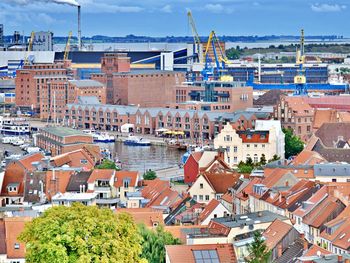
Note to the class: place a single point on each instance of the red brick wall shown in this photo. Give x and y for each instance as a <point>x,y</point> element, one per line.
<point>191,170</point>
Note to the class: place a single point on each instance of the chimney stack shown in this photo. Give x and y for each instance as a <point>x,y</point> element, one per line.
<point>79,29</point>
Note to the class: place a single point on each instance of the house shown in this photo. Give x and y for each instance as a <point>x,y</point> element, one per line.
<point>210,186</point>
<point>125,182</point>
<point>68,198</point>
<point>159,194</point>
<point>240,145</point>
<point>78,182</point>
<point>332,172</point>
<point>13,185</point>
<point>278,237</point>
<point>213,209</point>
<point>331,142</point>
<point>56,182</point>
<point>223,253</point>
<point>101,182</point>
<point>295,114</point>
<point>11,249</point>
<point>227,201</point>
<point>307,157</point>
<point>195,162</point>
<point>315,252</point>
<point>148,216</point>
<point>231,229</point>
<point>181,231</point>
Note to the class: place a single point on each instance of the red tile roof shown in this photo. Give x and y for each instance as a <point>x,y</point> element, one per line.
<point>121,175</point>
<point>308,157</point>
<point>221,182</point>
<point>27,160</point>
<point>185,253</point>
<point>57,182</point>
<point>299,106</point>
<point>14,227</point>
<point>197,156</point>
<point>208,209</point>
<point>147,216</point>
<point>101,174</point>
<point>314,200</point>
<point>314,250</point>
<point>276,232</point>
<point>177,232</point>
<point>227,197</point>
<point>248,190</point>
<point>255,137</point>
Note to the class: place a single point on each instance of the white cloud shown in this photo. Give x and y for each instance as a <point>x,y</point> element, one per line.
<point>327,7</point>
<point>167,9</point>
<point>218,8</point>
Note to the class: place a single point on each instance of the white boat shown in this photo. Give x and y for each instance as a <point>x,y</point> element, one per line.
<point>6,140</point>
<point>33,150</point>
<point>136,141</point>
<point>14,126</point>
<point>18,142</point>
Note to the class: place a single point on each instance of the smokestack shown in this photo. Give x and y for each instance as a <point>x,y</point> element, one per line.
<point>79,29</point>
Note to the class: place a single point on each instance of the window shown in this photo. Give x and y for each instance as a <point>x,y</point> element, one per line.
<point>215,215</point>
<point>16,245</point>
<point>210,256</point>
<point>83,161</point>
<point>235,159</point>
<point>200,197</point>
<point>195,197</point>
<point>235,149</point>
<point>201,186</point>
<point>206,197</point>
<point>256,158</point>
<point>255,146</point>
<point>126,183</point>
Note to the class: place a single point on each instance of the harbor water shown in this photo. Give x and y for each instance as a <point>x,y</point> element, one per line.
<point>143,158</point>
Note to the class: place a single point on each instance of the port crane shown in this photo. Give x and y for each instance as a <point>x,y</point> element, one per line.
<point>30,47</point>
<point>300,78</point>
<point>67,48</point>
<point>196,40</point>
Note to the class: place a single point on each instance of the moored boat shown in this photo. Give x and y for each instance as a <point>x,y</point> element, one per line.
<point>136,141</point>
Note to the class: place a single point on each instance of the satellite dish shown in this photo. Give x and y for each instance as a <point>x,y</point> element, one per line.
<point>318,253</point>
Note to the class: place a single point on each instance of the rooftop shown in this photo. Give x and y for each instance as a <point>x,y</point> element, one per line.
<point>63,131</point>
<point>86,83</point>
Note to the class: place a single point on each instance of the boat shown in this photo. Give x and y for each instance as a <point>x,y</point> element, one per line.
<point>6,140</point>
<point>17,142</point>
<point>103,137</point>
<point>136,141</point>
<point>14,126</point>
<point>177,145</point>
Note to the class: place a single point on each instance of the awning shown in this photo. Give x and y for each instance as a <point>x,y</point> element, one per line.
<point>179,133</point>
<point>162,130</point>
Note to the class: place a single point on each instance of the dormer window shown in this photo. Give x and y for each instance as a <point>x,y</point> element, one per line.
<point>12,188</point>
<point>16,246</point>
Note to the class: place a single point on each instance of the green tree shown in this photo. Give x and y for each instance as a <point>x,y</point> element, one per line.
<point>82,234</point>
<point>245,168</point>
<point>263,159</point>
<point>258,251</point>
<point>150,175</point>
<point>108,164</point>
<point>153,243</point>
<point>293,145</point>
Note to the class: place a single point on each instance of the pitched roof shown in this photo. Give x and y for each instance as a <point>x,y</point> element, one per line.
<point>307,157</point>
<point>27,160</point>
<point>197,156</point>
<point>208,209</point>
<point>180,232</point>
<point>227,197</point>
<point>78,179</point>
<point>324,115</point>
<point>312,202</point>
<point>186,253</point>
<point>221,182</point>
<point>13,228</point>
<point>299,106</point>
<point>57,181</point>
<point>147,216</point>
<point>86,83</point>
<point>131,176</point>
<point>329,133</point>
<point>270,98</point>
<point>314,250</point>
<point>101,174</point>
<point>276,232</point>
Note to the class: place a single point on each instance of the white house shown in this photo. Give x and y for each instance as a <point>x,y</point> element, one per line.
<point>214,209</point>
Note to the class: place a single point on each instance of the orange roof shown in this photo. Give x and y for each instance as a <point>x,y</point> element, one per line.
<point>308,157</point>
<point>13,228</point>
<point>344,116</point>
<point>177,232</point>
<point>120,176</point>
<point>94,150</point>
<point>299,106</point>
<point>324,115</point>
<point>186,253</point>
<point>227,197</point>
<point>221,182</point>
<point>27,160</point>
<point>57,181</point>
<point>255,137</point>
<point>101,174</point>
<point>314,250</point>
<point>208,209</point>
<point>246,191</point>
<point>147,216</point>
<point>276,232</point>
<point>197,156</point>
<point>270,180</point>
<point>318,197</point>
<point>153,187</point>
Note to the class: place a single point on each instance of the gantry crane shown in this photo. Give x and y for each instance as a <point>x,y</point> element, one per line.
<point>30,47</point>
<point>300,78</point>
<point>67,48</point>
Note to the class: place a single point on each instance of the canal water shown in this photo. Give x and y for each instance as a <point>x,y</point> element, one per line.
<point>143,158</point>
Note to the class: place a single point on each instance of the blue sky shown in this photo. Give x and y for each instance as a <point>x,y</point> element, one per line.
<point>168,17</point>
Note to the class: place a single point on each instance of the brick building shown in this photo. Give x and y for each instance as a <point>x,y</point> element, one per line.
<point>58,140</point>
<point>55,95</point>
<point>30,79</point>
<point>296,114</point>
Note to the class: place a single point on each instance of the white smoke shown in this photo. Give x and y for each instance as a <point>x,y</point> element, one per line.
<point>63,2</point>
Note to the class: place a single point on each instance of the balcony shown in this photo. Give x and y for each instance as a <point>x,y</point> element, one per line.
<point>107,201</point>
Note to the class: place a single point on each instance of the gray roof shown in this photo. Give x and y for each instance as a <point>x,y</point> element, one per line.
<point>78,179</point>
<point>147,72</point>
<point>63,131</point>
<point>332,169</point>
<point>51,77</point>
<point>86,83</point>
<point>249,219</point>
<point>88,100</point>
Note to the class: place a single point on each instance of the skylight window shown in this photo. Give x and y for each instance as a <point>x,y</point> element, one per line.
<point>206,256</point>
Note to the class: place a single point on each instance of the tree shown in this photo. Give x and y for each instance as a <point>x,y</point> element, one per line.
<point>153,243</point>
<point>82,234</point>
<point>245,168</point>
<point>108,164</point>
<point>263,159</point>
<point>293,145</point>
<point>258,251</point>
<point>150,175</point>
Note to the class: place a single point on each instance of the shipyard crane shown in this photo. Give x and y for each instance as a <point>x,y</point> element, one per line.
<point>30,47</point>
<point>196,40</point>
<point>67,48</point>
<point>300,78</point>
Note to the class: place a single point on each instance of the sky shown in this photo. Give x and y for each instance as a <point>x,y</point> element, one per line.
<point>168,17</point>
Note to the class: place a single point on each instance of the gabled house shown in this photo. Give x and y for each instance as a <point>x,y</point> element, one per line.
<point>213,209</point>
<point>149,217</point>
<point>195,162</point>
<point>125,182</point>
<point>13,184</point>
<point>210,186</point>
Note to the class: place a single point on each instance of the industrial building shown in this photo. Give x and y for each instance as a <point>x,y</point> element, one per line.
<point>43,41</point>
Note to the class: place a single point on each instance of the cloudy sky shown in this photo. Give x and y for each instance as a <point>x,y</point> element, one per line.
<point>168,17</point>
